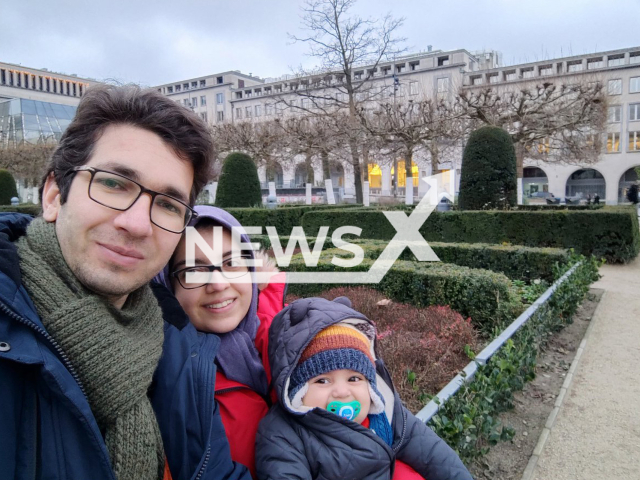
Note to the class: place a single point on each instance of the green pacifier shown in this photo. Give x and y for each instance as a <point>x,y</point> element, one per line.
<point>348,410</point>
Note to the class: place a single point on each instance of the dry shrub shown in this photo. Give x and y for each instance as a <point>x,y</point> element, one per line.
<point>423,348</point>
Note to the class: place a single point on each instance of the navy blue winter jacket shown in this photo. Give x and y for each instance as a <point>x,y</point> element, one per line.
<point>48,429</point>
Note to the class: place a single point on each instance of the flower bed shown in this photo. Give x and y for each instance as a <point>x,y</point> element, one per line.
<point>423,348</point>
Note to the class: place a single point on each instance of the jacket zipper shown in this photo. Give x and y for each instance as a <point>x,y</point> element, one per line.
<point>43,332</point>
<point>204,464</point>
<point>404,431</point>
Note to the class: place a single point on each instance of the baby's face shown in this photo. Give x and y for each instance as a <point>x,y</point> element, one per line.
<point>341,386</point>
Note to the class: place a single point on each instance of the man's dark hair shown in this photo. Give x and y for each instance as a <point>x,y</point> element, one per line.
<point>104,105</point>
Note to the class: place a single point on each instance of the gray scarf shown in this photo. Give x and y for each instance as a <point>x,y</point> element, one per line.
<point>114,352</point>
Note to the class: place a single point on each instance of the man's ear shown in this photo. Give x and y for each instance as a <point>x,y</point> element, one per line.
<point>50,199</point>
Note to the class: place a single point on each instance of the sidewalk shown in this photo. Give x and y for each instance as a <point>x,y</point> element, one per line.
<point>597,432</point>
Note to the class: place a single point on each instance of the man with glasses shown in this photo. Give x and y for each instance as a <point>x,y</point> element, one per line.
<point>80,330</point>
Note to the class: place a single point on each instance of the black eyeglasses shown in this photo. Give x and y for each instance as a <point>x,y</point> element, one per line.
<point>120,193</point>
<point>231,269</point>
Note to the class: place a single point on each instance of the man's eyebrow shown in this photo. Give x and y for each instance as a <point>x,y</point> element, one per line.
<point>133,175</point>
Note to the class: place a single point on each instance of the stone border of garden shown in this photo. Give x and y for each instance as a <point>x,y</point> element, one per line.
<point>551,420</point>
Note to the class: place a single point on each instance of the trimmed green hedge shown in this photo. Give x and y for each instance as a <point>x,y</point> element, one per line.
<point>610,232</point>
<point>516,262</point>
<point>28,208</point>
<point>489,298</point>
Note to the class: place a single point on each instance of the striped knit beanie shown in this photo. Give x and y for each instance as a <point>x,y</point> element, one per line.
<point>338,347</point>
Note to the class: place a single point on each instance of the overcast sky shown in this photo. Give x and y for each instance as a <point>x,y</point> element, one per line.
<point>160,41</point>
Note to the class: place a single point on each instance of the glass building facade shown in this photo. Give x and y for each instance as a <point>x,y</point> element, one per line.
<point>31,121</point>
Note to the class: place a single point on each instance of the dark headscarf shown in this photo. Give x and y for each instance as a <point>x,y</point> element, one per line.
<point>238,357</point>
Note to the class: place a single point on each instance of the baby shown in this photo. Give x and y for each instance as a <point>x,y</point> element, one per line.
<point>338,415</point>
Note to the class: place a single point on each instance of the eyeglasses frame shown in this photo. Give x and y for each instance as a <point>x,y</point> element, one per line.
<point>211,268</point>
<point>152,193</point>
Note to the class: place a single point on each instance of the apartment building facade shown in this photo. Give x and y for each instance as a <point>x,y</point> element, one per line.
<point>440,74</point>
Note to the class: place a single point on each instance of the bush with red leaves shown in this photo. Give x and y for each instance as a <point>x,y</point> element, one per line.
<point>423,348</point>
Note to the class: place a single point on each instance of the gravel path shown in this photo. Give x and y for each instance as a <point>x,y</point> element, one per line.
<point>597,431</point>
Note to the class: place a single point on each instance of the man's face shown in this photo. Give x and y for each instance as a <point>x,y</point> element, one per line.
<point>112,252</point>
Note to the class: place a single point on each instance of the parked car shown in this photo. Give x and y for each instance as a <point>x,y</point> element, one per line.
<point>540,198</point>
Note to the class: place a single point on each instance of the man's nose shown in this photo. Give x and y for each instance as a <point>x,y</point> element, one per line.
<point>136,219</point>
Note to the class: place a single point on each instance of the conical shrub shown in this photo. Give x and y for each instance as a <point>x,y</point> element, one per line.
<point>238,185</point>
<point>489,177</point>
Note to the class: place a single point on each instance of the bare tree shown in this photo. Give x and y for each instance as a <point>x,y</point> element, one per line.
<point>263,141</point>
<point>313,136</point>
<point>343,45</point>
<point>403,129</point>
<point>25,160</point>
<point>555,123</point>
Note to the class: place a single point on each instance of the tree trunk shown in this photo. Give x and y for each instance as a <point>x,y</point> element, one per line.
<point>326,168</point>
<point>309,167</point>
<point>435,158</point>
<point>520,151</point>
<point>357,171</point>
<point>365,163</point>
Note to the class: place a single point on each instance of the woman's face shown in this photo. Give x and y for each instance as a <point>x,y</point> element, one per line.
<point>219,306</point>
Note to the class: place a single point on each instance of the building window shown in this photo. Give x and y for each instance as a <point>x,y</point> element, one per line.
<point>239,113</point>
<point>170,89</point>
<point>240,83</point>
<point>203,100</point>
<point>634,111</point>
<point>594,63</point>
<point>634,141</point>
<point>219,80</point>
<point>615,60</point>
<point>220,116</point>
<point>41,83</point>
<point>194,102</point>
<point>185,86</point>
<point>399,68</point>
<point>203,83</point>
<point>48,85</point>
<point>614,114</point>
<point>614,87</point>
<point>178,88</point>
<point>613,142</point>
<point>509,76</point>
<point>442,61</point>
<point>527,72</point>
<point>575,66</point>
<point>238,94</point>
<point>268,109</point>
<point>185,102</point>
<point>413,87</point>
<point>443,85</point>
<point>494,78</point>
<point>258,110</point>
<point>476,80</point>
<point>80,89</point>
<point>3,77</point>
<point>194,84</point>
<point>204,116</point>
<point>544,146</point>
<point>19,80</point>
<point>219,98</point>
<point>546,70</point>
<point>634,85</point>
<point>413,66</point>
<point>248,112</point>
<point>634,57</point>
